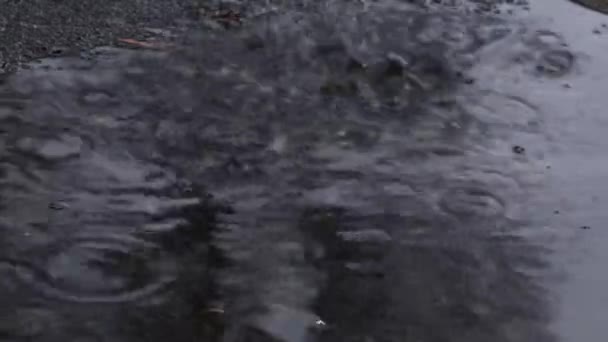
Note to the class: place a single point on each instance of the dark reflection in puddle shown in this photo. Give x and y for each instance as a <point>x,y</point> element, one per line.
<point>336,215</point>
<point>384,287</point>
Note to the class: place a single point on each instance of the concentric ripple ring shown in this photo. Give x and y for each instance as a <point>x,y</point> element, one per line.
<point>99,269</point>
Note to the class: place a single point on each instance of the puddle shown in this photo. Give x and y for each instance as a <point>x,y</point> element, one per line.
<point>353,176</point>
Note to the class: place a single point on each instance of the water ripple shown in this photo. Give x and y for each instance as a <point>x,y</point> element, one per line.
<point>99,269</point>
<point>470,202</point>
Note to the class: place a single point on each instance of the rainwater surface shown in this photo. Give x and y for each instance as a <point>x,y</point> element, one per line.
<point>327,171</point>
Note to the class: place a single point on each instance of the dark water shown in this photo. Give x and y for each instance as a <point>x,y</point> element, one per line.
<point>333,171</point>
<point>596,5</point>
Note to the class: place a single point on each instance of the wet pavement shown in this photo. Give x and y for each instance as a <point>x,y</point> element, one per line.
<point>312,171</point>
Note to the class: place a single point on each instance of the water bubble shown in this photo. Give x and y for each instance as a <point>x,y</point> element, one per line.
<point>471,202</point>
<point>63,147</point>
<point>58,205</point>
<point>545,38</point>
<point>358,137</point>
<point>98,98</point>
<point>492,33</point>
<point>518,149</point>
<point>504,109</point>
<point>556,63</point>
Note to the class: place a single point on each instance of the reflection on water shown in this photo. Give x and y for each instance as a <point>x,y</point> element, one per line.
<point>346,178</point>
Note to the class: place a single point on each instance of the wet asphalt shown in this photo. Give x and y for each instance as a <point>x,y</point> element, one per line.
<point>302,171</point>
